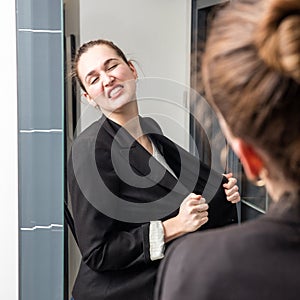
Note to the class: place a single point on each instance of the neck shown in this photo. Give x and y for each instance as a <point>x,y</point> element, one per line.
<point>133,126</point>
<point>123,114</point>
<point>276,188</point>
<point>128,117</point>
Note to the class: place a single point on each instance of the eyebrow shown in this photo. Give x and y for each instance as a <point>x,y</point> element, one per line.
<point>107,62</point>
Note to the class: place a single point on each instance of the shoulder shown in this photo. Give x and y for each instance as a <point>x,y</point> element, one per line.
<point>197,245</point>
<point>191,259</point>
<point>91,132</point>
<point>89,141</point>
<point>215,257</point>
<point>230,242</point>
<point>98,135</point>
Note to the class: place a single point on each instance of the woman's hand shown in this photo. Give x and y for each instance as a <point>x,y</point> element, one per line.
<point>192,215</point>
<point>231,189</point>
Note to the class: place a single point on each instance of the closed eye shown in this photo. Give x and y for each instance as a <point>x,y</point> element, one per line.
<point>94,80</point>
<point>112,67</point>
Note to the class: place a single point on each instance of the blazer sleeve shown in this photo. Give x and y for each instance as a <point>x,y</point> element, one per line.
<point>221,212</point>
<point>201,179</point>
<point>105,243</point>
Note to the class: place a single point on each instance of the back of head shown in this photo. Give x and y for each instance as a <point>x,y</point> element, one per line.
<point>251,74</point>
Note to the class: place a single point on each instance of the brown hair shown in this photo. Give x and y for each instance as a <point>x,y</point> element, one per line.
<point>85,47</point>
<point>251,74</point>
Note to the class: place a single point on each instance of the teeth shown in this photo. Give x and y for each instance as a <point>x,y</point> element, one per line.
<point>115,91</point>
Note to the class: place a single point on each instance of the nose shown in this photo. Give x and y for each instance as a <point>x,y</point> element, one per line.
<point>106,79</point>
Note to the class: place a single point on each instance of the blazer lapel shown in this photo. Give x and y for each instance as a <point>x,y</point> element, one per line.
<point>126,151</point>
<point>147,167</point>
<point>192,173</point>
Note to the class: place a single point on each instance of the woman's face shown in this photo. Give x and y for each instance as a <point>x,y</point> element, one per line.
<point>108,80</point>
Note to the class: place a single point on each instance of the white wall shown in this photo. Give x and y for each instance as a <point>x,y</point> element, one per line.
<point>9,155</point>
<point>155,33</point>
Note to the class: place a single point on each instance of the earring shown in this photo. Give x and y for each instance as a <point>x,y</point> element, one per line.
<point>263,174</point>
<point>259,182</point>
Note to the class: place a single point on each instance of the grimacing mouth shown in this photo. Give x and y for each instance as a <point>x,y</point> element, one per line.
<point>114,90</point>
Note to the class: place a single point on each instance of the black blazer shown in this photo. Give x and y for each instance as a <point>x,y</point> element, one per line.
<point>114,239</point>
<point>258,259</point>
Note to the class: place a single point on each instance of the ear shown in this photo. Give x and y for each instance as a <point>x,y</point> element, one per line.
<point>133,69</point>
<point>85,95</point>
<point>251,160</point>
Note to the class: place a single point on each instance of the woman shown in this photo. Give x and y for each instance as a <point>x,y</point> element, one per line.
<point>121,245</point>
<point>251,71</point>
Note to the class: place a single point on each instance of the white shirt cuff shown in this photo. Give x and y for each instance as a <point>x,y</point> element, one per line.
<point>156,240</point>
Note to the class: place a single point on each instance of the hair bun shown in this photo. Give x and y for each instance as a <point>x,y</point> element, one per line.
<point>278,36</point>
